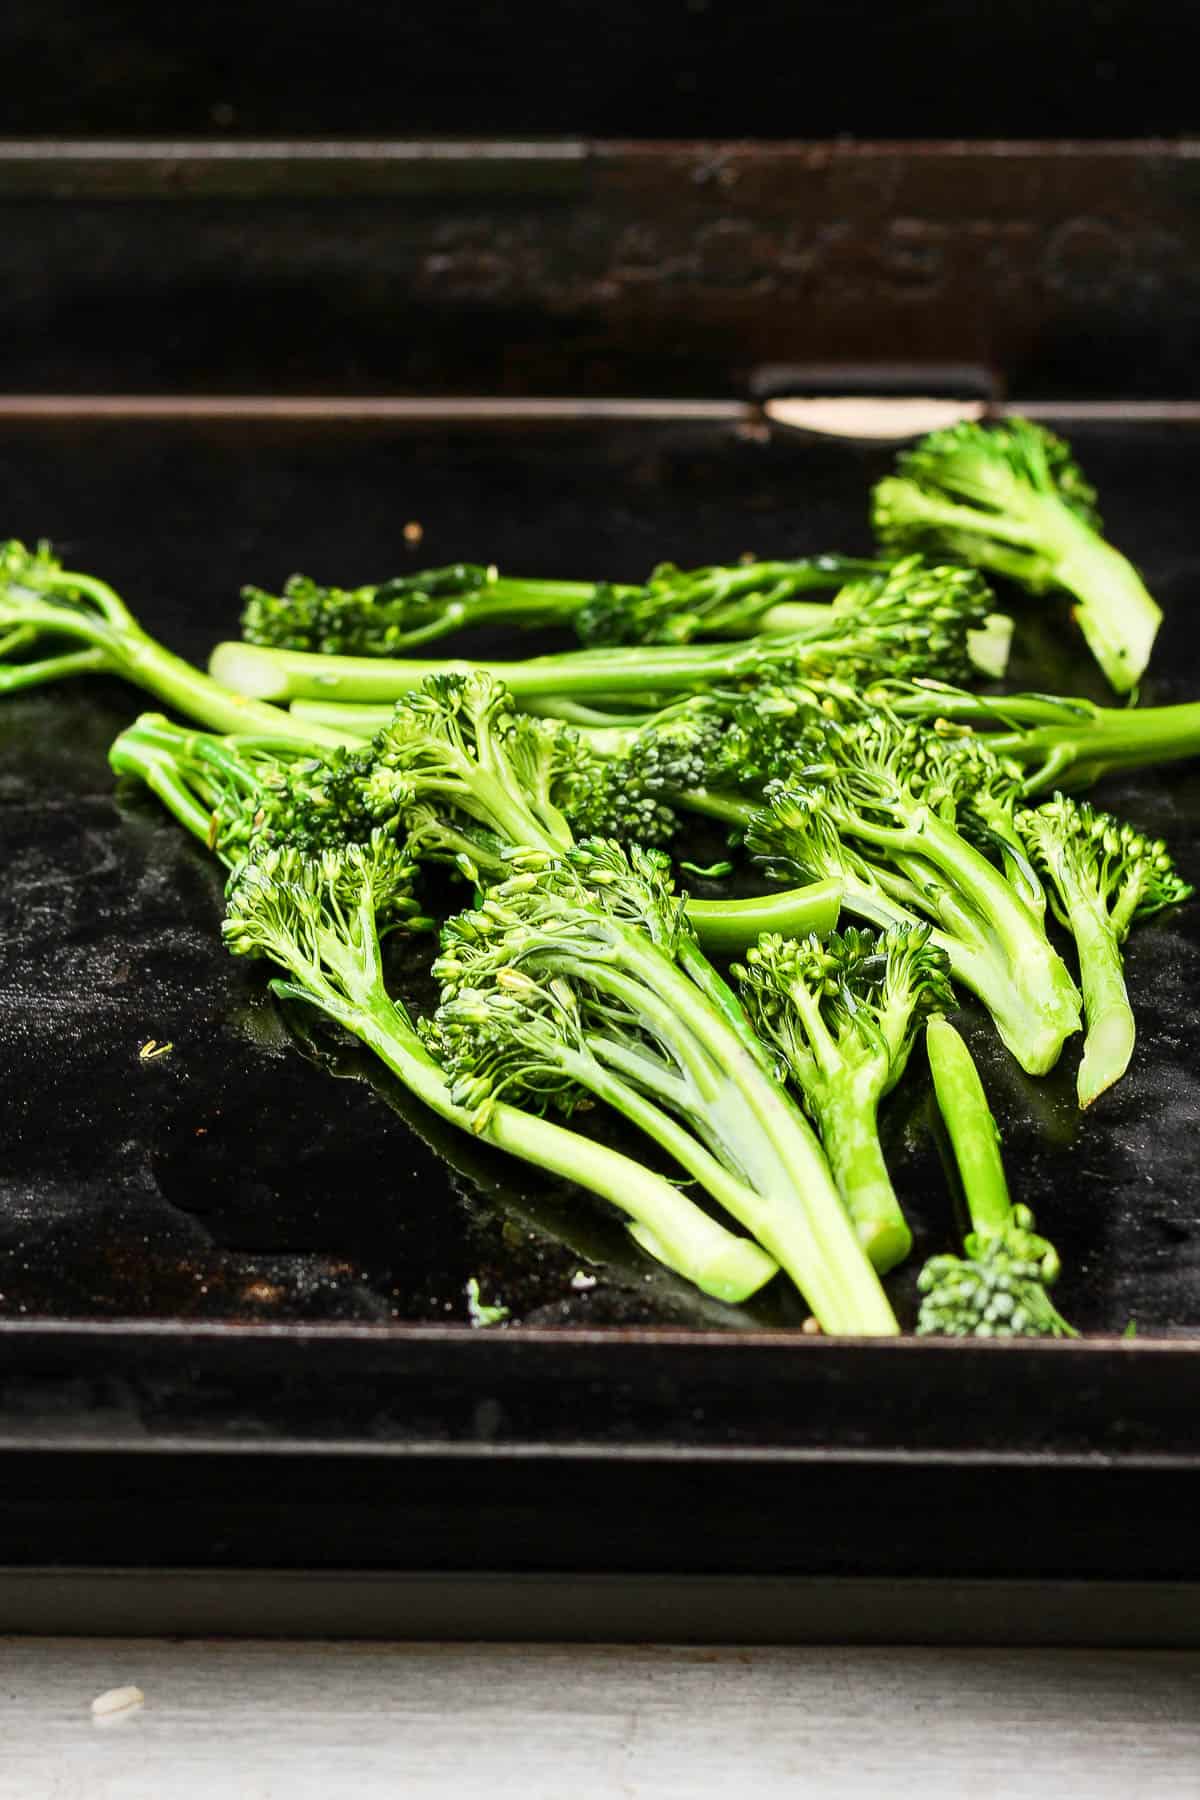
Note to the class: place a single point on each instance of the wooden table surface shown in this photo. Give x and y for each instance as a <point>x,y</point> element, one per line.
<point>249,1720</point>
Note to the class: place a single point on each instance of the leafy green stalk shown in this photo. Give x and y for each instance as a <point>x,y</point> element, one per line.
<point>1011,498</point>
<point>44,606</point>
<point>999,1288</point>
<point>842,1015</point>
<point>1104,875</point>
<point>589,947</point>
<point>914,619</point>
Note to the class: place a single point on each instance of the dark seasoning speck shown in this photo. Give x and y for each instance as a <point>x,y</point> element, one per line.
<point>254,1174</point>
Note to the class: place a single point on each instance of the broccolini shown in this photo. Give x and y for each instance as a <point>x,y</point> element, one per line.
<point>1012,499</point>
<point>998,1288</point>
<point>842,1012</point>
<point>1104,875</point>
<point>913,619</point>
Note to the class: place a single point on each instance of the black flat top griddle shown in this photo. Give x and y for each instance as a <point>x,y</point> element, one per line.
<point>226,1251</point>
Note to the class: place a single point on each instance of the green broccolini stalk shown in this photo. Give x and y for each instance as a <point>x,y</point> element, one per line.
<point>1058,739</point>
<point>673,607</point>
<point>842,1014</point>
<point>914,619</point>
<point>868,805</point>
<point>1011,498</point>
<point>44,607</point>
<point>998,1289</point>
<point>1104,875</point>
<point>581,972</point>
<point>316,904</point>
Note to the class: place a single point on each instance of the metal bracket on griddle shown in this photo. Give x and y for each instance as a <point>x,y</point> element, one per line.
<point>875,403</point>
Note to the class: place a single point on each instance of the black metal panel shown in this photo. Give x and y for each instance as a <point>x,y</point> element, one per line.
<point>592,268</point>
<point>809,68</point>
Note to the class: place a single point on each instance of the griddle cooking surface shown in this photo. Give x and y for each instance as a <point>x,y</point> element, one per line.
<point>234,1179</point>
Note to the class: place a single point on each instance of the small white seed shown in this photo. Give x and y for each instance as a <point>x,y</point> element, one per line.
<point>114,1700</point>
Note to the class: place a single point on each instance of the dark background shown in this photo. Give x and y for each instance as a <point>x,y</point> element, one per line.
<point>668,68</point>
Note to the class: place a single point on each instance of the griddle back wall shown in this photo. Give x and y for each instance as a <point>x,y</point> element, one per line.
<point>592,266</point>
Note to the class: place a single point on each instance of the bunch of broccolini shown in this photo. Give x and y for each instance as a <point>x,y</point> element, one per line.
<point>826,713</point>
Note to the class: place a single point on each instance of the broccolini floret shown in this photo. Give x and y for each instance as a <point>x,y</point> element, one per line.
<point>391,616</point>
<point>842,1013</point>
<point>1011,498</point>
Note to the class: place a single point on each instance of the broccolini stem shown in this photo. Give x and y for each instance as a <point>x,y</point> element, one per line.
<point>126,650</point>
<point>1042,1007</point>
<point>52,668</point>
<point>785,616</point>
<point>518,601</point>
<point>131,756</point>
<point>851,1140</point>
<point>727,927</point>
<point>1115,613</point>
<point>282,675</point>
<point>730,809</point>
<point>1110,740</point>
<point>795,1210</point>
<point>624,1097</point>
<point>973,1134</point>
<point>694,962</point>
<point>1056,735</point>
<point>1000,1289</point>
<point>1111,1030</point>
